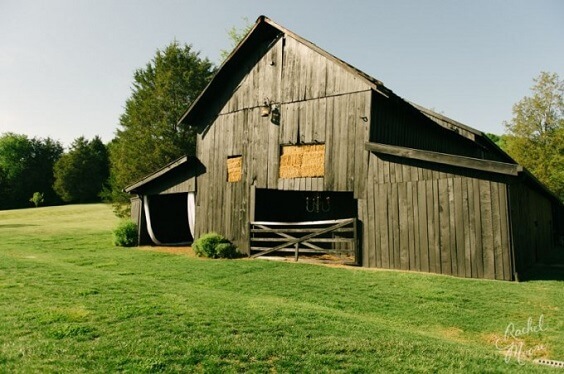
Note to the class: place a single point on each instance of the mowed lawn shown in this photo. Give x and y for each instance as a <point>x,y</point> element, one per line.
<point>72,302</point>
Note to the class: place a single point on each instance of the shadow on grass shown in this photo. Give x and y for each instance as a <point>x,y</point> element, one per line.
<point>15,225</point>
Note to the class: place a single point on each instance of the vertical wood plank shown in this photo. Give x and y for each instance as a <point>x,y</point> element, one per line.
<point>444,227</point>
<point>477,257</point>
<point>362,136</point>
<point>410,227</point>
<point>377,227</point>
<point>395,226</point>
<point>329,179</point>
<point>432,233</point>
<point>460,228</point>
<point>496,229</point>
<point>487,229</point>
<point>415,225</point>
<point>383,219</point>
<point>467,228</point>
<point>505,230</point>
<point>422,222</point>
<point>403,226</point>
<point>350,127</point>
<point>452,229</point>
<point>370,227</point>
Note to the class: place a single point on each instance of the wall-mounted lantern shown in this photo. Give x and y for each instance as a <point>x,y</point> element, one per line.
<point>265,109</point>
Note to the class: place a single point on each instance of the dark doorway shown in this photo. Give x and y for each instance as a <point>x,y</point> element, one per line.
<point>298,206</point>
<point>169,218</point>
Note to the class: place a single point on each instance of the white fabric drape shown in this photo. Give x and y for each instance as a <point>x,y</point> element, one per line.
<point>191,212</point>
<point>148,220</point>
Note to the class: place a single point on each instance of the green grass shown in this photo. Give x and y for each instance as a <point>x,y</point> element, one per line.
<point>72,302</point>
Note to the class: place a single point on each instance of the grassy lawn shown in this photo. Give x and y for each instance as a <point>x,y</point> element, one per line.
<point>72,302</point>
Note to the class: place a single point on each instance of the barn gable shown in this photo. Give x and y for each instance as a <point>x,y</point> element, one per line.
<point>284,125</point>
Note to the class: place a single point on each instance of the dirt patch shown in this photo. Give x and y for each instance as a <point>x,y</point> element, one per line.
<point>186,251</point>
<point>317,259</point>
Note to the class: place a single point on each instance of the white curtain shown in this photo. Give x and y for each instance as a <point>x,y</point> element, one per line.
<point>148,220</point>
<point>191,212</point>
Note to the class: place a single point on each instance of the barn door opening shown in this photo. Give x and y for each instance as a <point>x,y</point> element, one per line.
<point>305,222</point>
<point>297,206</point>
<point>168,218</point>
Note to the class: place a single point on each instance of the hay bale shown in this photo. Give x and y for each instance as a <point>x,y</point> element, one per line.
<point>234,168</point>
<point>302,161</point>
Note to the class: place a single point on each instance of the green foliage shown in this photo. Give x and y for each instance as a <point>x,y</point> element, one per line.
<point>77,304</point>
<point>499,140</point>
<point>81,173</point>
<point>37,199</point>
<point>535,136</point>
<point>213,245</point>
<point>226,250</point>
<point>125,235</point>
<point>26,166</point>
<point>235,36</point>
<point>149,136</point>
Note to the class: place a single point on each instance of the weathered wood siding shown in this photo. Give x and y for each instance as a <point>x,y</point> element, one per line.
<point>138,216</point>
<point>136,207</point>
<point>318,101</point>
<point>532,224</point>
<point>397,123</point>
<point>433,220</point>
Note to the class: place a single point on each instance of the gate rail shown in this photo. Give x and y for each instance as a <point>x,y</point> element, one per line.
<point>317,236</point>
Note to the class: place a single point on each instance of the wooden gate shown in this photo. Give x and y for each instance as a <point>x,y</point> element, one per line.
<point>332,236</point>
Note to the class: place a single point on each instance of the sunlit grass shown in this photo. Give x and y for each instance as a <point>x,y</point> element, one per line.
<point>71,302</point>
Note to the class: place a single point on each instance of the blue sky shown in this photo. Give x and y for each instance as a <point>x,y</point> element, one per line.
<point>66,66</point>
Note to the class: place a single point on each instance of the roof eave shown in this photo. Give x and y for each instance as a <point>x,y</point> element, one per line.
<point>133,188</point>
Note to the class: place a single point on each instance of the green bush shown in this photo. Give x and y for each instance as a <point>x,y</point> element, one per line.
<point>125,235</point>
<point>226,250</point>
<point>213,245</point>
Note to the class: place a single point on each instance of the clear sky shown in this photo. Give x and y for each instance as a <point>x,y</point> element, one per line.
<point>66,66</point>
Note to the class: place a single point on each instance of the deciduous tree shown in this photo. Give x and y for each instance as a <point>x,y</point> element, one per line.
<point>26,166</point>
<point>536,132</point>
<point>235,36</point>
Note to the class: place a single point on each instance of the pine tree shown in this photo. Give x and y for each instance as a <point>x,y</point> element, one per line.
<point>81,173</point>
<point>149,136</point>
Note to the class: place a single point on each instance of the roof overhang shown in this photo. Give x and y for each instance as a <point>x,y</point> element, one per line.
<point>137,186</point>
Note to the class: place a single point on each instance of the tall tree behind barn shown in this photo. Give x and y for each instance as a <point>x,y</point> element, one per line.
<point>430,194</point>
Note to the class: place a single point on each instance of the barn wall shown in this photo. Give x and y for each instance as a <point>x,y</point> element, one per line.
<point>317,102</point>
<point>532,223</point>
<point>430,219</point>
<point>397,123</point>
<point>138,216</point>
<point>136,206</point>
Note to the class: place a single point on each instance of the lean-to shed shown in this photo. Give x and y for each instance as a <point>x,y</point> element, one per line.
<point>289,133</point>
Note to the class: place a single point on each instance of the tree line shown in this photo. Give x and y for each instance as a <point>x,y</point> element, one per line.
<point>34,171</point>
<point>37,171</point>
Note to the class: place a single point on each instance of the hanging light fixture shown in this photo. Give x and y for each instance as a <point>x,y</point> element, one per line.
<point>265,109</point>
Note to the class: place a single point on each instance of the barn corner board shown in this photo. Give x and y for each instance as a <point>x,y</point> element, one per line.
<point>289,134</point>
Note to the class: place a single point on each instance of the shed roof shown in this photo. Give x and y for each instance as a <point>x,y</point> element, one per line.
<point>137,186</point>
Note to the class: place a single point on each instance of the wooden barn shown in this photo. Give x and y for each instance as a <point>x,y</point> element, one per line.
<point>298,150</point>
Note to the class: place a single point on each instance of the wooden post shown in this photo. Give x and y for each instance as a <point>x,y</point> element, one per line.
<point>297,253</point>
<point>355,244</point>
